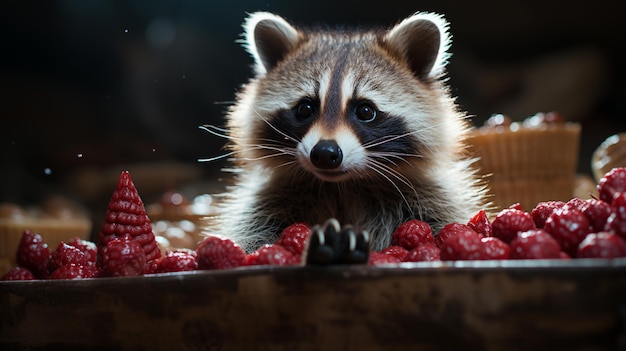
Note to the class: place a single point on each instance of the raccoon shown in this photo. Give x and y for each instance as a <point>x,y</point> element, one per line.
<point>355,125</point>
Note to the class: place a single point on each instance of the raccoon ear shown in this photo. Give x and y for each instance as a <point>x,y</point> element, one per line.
<point>422,40</point>
<point>268,38</point>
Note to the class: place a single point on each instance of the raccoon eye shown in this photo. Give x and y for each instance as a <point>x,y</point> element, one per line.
<point>305,109</point>
<point>365,112</point>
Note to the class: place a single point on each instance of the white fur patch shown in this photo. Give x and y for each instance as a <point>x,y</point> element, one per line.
<point>324,84</point>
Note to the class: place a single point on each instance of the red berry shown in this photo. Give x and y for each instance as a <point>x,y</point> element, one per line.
<point>480,223</point>
<point>33,254</point>
<point>614,181</point>
<point>449,230</point>
<point>67,254</point>
<point>517,206</point>
<point>616,222</point>
<point>87,247</point>
<point>74,271</point>
<point>543,210</point>
<point>535,244</point>
<point>294,237</point>
<point>215,252</point>
<point>464,244</point>
<point>568,226</point>
<point>411,234</point>
<point>597,212</point>
<point>494,249</point>
<point>509,222</point>
<point>177,261</point>
<point>377,258</point>
<point>274,255</point>
<point>602,245</point>
<point>577,203</point>
<point>126,217</point>
<point>123,257</point>
<point>18,273</point>
<point>424,252</point>
<point>396,251</point>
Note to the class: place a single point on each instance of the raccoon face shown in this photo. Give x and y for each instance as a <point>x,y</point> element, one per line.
<point>346,105</point>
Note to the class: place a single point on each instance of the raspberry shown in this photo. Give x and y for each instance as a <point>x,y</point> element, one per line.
<point>294,237</point>
<point>87,247</point>
<point>18,273</point>
<point>543,210</point>
<point>517,206</point>
<point>424,252</point>
<point>509,222</point>
<point>67,254</point>
<point>577,203</point>
<point>597,212</point>
<point>602,245</point>
<point>396,251</point>
<point>450,229</point>
<point>215,252</point>
<point>177,261</point>
<point>463,244</point>
<point>412,233</point>
<point>616,222</point>
<point>377,258</point>
<point>74,271</point>
<point>494,249</point>
<point>535,244</point>
<point>614,181</point>
<point>274,255</point>
<point>568,226</point>
<point>480,223</point>
<point>33,254</point>
<point>123,257</point>
<point>126,217</point>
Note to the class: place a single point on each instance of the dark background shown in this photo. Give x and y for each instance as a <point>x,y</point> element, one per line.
<point>90,88</point>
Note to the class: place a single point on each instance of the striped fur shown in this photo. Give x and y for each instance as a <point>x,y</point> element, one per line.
<point>408,162</point>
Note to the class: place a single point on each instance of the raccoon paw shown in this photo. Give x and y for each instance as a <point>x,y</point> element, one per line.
<point>333,244</point>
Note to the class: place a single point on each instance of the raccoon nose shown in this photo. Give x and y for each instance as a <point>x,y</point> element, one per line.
<point>326,154</point>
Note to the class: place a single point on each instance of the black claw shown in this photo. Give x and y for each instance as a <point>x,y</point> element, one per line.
<point>332,244</point>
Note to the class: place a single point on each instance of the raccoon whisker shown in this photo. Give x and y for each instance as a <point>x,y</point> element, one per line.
<point>287,164</point>
<point>374,166</point>
<point>274,128</point>
<point>278,151</point>
<point>211,159</point>
<point>217,131</point>
<point>264,157</point>
<point>388,138</point>
<point>381,166</point>
<point>389,156</point>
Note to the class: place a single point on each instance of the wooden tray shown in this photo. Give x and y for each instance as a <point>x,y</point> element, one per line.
<point>488,305</point>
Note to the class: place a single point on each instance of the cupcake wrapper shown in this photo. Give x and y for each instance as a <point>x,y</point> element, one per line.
<point>527,152</point>
<point>530,192</point>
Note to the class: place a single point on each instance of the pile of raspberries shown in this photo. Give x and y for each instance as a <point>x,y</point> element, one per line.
<point>594,228</point>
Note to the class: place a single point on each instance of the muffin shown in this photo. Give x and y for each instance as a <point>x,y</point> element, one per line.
<point>56,219</point>
<point>527,162</point>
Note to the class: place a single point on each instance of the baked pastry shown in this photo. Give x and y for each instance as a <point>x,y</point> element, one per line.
<point>527,162</point>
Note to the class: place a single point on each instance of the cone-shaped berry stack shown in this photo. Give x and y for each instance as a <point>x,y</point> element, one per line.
<point>126,218</point>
